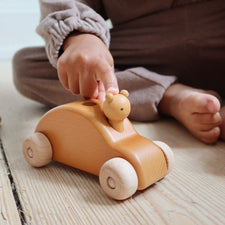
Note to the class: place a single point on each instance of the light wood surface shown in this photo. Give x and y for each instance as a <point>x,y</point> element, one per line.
<point>193,193</point>
<point>8,210</point>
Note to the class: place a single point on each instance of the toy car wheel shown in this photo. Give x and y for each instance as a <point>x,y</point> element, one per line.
<point>168,154</point>
<point>37,150</point>
<point>118,178</point>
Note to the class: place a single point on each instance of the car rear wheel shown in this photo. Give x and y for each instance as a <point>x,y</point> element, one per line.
<point>37,150</point>
<point>168,154</point>
<point>118,179</point>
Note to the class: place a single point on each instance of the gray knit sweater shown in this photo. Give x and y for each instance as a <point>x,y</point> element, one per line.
<point>61,17</point>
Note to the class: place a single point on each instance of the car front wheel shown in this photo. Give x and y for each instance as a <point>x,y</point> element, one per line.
<point>118,178</point>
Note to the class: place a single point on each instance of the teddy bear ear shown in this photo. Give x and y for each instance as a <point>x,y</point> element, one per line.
<point>109,97</point>
<point>124,92</point>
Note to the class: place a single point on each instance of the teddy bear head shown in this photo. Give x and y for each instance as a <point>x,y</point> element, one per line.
<point>117,107</point>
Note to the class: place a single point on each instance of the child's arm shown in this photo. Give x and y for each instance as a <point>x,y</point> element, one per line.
<point>59,19</point>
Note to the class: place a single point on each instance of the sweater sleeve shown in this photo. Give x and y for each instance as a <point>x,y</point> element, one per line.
<point>60,18</point>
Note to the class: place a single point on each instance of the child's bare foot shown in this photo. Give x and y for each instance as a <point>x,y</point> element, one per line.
<point>196,109</point>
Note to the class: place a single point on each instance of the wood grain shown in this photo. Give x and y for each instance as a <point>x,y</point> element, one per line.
<point>8,210</point>
<point>192,194</point>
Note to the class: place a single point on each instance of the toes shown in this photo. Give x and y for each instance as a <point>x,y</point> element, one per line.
<point>210,136</point>
<point>207,120</point>
<point>206,127</point>
<point>205,103</point>
<point>213,104</point>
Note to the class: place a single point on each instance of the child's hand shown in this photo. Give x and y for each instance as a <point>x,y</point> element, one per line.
<point>86,67</point>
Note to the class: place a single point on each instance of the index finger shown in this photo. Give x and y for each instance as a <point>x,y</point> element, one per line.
<point>107,76</point>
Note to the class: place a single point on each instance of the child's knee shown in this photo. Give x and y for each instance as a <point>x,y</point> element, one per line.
<point>20,67</point>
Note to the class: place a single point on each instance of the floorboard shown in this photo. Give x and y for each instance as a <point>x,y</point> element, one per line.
<point>193,193</point>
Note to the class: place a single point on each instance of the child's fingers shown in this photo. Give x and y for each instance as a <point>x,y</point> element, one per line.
<point>62,74</point>
<point>98,79</point>
<point>64,80</point>
<point>107,76</point>
<point>101,91</point>
<point>88,85</point>
<point>73,82</point>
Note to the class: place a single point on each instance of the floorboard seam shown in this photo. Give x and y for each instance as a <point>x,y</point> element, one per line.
<point>13,186</point>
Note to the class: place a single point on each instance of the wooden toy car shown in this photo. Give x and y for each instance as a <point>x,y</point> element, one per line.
<point>80,135</point>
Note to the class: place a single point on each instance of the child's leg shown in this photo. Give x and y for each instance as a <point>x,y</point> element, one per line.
<point>188,46</point>
<point>36,79</point>
<point>178,41</point>
<point>146,90</point>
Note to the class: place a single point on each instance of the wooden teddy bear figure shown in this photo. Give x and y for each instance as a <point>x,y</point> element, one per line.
<point>116,108</point>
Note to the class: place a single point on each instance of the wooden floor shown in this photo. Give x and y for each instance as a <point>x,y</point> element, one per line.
<point>194,192</point>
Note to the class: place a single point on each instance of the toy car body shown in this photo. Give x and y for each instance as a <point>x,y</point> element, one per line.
<point>78,134</point>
